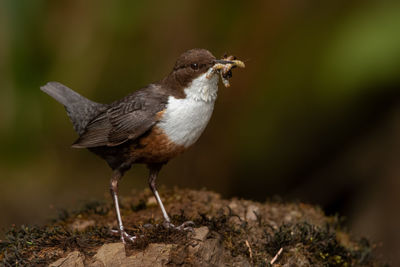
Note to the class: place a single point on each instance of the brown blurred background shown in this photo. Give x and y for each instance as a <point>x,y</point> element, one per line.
<point>314,117</point>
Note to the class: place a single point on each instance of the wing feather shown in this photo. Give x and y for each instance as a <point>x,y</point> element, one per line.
<point>124,120</point>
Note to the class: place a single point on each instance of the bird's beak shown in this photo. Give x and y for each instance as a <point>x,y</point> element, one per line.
<point>222,61</point>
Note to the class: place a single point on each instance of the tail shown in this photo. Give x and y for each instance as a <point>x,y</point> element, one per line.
<point>79,109</point>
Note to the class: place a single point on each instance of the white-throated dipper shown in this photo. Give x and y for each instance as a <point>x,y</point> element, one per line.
<point>151,125</point>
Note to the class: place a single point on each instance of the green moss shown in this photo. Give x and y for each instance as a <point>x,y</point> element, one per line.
<point>232,236</point>
<point>321,244</point>
<point>23,245</point>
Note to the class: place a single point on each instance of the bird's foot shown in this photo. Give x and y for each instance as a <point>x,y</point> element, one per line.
<point>124,235</point>
<point>186,226</point>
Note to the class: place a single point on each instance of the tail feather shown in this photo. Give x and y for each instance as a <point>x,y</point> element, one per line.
<point>80,110</point>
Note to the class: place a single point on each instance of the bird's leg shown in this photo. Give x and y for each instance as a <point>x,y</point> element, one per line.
<point>117,175</point>
<point>154,170</point>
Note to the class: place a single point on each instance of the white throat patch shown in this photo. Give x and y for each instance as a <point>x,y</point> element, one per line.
<point>185,119</point>
<point>203,88</point>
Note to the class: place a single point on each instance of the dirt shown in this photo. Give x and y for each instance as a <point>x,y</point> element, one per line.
<point>230,232</point>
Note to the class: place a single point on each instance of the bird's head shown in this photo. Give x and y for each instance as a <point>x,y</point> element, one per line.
<point>200,68</point>
<point>196,62</point>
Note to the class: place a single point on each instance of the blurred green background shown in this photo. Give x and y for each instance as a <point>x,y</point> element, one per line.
<point>315,116</point>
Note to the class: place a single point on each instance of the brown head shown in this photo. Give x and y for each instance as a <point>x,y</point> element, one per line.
<point>190,65</point>
<point>194,62</point>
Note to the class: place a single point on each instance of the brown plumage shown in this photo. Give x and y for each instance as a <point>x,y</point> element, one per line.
<point>126,131</point>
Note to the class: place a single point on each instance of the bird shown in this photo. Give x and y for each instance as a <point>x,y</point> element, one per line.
<point>151,125</point>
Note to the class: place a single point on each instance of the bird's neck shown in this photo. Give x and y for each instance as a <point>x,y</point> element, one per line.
<point>203,88</point>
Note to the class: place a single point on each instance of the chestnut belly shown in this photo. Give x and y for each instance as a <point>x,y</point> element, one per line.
<point>155,147</point>
<point>152,147</point>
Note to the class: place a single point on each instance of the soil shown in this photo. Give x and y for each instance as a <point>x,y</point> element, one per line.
<point>227,232</point>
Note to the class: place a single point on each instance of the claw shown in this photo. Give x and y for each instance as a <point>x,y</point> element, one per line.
<point>124,235</point>
<point>186,226</point>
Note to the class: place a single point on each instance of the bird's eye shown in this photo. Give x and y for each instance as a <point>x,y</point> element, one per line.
<point>194,66</point>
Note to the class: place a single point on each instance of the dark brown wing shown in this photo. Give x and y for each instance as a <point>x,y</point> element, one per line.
<point>125,119</point>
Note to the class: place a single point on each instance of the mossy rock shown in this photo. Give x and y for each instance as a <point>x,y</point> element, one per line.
<point>227,233</point>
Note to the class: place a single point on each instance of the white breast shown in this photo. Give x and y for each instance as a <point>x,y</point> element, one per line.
<point>185,119</point>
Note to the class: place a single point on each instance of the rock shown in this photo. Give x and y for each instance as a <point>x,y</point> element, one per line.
<point>252,212</point>
<point>199,236</point>
<point>110,255</point>
<point>229,233</point>
<point>211,252</point>
<point>155,255</point>
<point>73,259</point>
<point>201,233</point>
